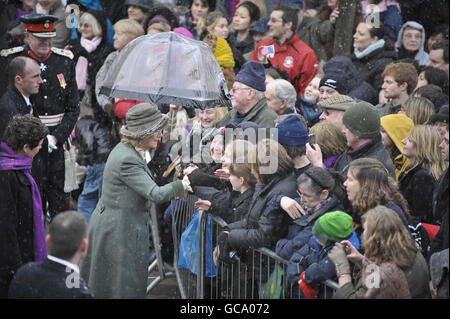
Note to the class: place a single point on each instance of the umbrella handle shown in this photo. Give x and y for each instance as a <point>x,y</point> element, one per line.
<point>172,165</point>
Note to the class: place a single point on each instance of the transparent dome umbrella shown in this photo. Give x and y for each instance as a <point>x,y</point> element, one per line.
<point>167,68</point>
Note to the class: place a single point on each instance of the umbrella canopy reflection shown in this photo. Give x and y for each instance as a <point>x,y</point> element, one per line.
<point>167,68</point>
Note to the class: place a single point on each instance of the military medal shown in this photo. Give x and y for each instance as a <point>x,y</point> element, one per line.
<point>43,67</point>
<point>62,82</point>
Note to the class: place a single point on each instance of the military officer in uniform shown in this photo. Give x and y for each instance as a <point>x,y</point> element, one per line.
<point>56,104</point>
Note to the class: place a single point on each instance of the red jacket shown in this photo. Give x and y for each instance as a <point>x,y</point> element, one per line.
<point>294,57</point>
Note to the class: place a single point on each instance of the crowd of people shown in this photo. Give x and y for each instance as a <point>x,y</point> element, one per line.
<point>338,163</point>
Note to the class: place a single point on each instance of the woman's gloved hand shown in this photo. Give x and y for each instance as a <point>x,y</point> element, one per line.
<point>339,258</point>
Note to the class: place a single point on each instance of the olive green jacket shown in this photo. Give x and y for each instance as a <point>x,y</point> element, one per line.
<point>118,253</point>
<point>261,114</point>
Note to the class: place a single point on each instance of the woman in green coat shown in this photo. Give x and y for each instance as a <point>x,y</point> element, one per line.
<point>117,259</point>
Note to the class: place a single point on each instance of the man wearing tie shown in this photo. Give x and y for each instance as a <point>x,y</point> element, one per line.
<point>24,80</point>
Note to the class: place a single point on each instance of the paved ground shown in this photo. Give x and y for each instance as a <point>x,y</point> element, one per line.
<point>166,289</point>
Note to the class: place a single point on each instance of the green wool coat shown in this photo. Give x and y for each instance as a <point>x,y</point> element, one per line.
<point>260,114</point>
<point>117,259</point>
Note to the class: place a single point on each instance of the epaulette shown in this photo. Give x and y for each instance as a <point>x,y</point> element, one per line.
<point>6,52</point>
<point>66,53</point>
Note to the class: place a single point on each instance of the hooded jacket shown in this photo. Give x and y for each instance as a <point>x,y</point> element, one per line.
<point>355,84</point>
<point>397,127</point>
<point>421,56</point>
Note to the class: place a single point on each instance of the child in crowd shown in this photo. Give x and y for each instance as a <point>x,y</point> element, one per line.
<point>307,103</point>
<point>242,183</point>
<point>310,265</point>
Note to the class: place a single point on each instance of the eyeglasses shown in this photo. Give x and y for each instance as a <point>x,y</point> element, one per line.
<point>237,89</point>
<point>273,20</point>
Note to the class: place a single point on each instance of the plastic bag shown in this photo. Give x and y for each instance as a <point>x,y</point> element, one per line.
<point>188,253</point>
<point>70,171</point>
<point>275,285</point>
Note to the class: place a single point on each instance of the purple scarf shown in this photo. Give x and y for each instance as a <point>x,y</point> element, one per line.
<point>10,161</point>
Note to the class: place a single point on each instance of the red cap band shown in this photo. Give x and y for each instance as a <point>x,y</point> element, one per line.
<point>43,27</point>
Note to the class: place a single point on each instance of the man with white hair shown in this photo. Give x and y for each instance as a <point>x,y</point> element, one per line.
<point>248,100</point>
<point>281,96</point>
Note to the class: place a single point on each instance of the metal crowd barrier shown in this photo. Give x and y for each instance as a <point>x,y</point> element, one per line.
<point>182,213</point>
<point>242,279</point>
<point>246,279</point>
<point>164,270</point>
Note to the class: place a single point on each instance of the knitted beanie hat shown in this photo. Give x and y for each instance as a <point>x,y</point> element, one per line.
<point>253,75</point>
<point>184,31</point>
<point>292,132</point>
<point>142,121</point>
<point>362,119</point>
<point>336,102</point>
<point>335,81</point>
<point>334,226</point>
<point>158,18</point>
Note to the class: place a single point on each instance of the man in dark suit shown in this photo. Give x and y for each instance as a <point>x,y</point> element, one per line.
<point>58,276</point>
<point>24,80</point>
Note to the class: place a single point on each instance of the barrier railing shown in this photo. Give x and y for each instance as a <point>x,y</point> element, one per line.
<point>245,278</point>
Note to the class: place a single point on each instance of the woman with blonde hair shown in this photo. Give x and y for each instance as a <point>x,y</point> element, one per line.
<point>425,149</point>
<point>390,254</point>
<point>418,109</point>
<point>125,31</point>
<point>368,185</point>
<point>217,23</point>
<point>331,140</point>
<point>416,183</point>
<point>224,55</point>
